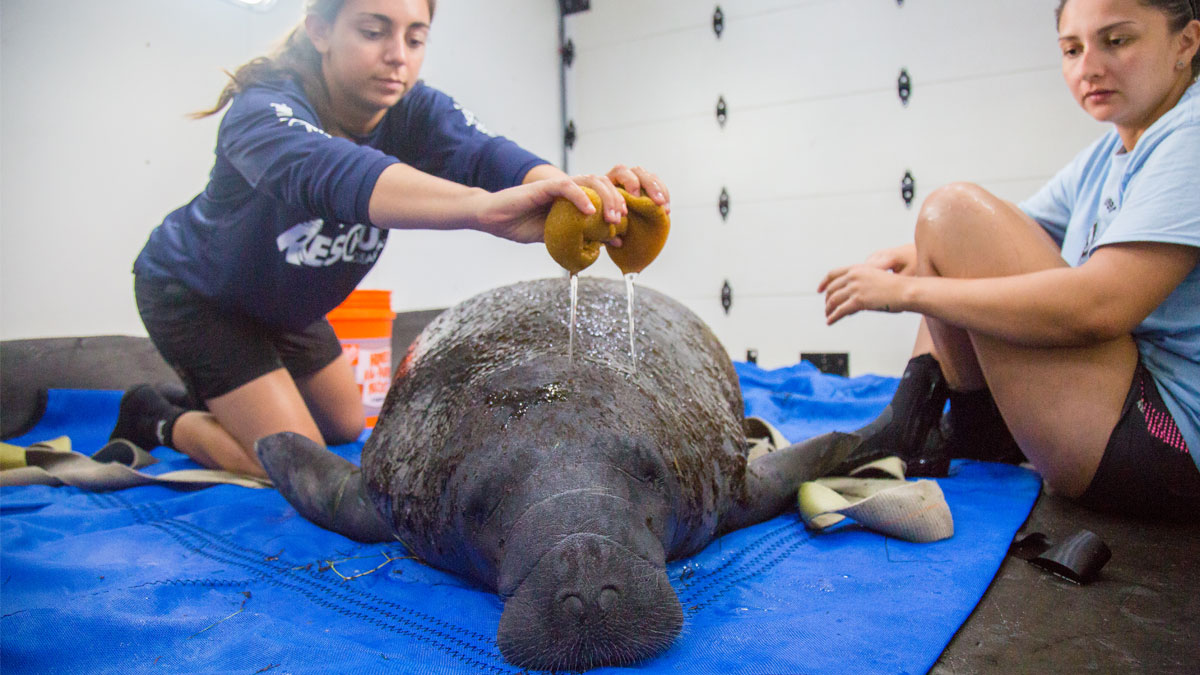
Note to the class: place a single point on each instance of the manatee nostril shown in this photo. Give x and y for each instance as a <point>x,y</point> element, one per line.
<point>609,595</point>
<point>573,605</point>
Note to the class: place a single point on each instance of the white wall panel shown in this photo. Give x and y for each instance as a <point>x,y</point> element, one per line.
<point>655,80</point>
<point>816,141</point>
<point>687,154</point>
<point>697,246</point>
<point>97,148</point>
<point>977,129</point>
<point>780,328</point>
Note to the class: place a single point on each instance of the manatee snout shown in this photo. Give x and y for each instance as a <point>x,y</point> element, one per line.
<point>589,602</point>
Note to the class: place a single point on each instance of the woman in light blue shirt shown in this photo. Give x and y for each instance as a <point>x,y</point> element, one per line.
<point>1069,323</point>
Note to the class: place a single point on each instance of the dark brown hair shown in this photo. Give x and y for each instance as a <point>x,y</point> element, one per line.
<point>295,56</point>
<point>1178,12</point>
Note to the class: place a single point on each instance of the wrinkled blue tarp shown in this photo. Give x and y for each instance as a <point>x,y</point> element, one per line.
<point>229,579</point>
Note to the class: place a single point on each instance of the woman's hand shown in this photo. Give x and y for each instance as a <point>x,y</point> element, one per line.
<point>870,285</point>
<point>849,290</point>
<point>519,213</point>
<point>635,180</point>
<point>638,180</point>
<point>901,259</point>
<point>611,201</point>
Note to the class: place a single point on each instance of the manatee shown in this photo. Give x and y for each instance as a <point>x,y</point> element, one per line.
<point>562,484</point>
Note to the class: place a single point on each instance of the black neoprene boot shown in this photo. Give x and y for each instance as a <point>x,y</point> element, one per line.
<point>178,395</point>
<point>146,418</point>
<point>974,429</point>
<point>903,428</point>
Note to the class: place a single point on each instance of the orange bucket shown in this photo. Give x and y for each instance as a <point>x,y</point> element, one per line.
<point>363,323</point>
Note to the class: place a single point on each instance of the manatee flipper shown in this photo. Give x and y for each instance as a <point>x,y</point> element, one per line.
<point>773,479</point>
<point>323,487</point>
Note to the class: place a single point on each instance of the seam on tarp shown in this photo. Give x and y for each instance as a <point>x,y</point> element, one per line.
<point>365,607</point>
<point>730,576</point>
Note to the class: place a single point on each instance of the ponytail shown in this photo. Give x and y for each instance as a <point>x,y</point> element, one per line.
<point>294,57</point>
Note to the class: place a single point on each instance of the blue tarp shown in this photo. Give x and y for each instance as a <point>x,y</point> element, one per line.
<point>230,579</point>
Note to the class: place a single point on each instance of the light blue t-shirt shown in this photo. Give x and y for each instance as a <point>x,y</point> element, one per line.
<point>1109,196</point>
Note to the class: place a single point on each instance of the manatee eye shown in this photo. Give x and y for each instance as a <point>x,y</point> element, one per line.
<point>475,511</point>
<point>651,471</point>
<point>642,465</point>
<point>481,502</point>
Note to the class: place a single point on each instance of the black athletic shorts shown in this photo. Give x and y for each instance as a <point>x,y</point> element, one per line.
<point>1147,468</point>
<point>215,351</point>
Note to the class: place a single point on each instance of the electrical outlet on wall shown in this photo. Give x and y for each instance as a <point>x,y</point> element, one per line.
<point>573,6</point>
<point>833,363</point>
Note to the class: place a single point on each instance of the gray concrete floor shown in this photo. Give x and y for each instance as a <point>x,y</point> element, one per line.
<point>1140,615</point>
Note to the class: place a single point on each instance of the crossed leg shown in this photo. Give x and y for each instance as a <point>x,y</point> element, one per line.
<point>1060,403</point>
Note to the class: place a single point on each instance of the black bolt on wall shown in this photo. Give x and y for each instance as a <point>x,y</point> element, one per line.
<point>722,111</point>
<point>568,53</point>
<point>752,355</point>
<point>569,135</point>
<point>718,22</point>
<point>726,296</point>
<point>723,204</point>
<point>904,86</point>
<point>908,188</point>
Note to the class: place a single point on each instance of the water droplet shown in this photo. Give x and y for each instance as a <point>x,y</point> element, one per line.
<point>574,302</point>
<point>629,301</point>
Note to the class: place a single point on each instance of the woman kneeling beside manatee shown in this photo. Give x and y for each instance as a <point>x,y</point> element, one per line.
<point>328,143</point>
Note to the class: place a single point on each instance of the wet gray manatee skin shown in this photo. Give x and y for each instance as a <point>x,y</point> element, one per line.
<point>562,484</point>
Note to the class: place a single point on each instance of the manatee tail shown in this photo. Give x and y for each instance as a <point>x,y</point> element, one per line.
<point>323,487</point>
<point>773,479</point>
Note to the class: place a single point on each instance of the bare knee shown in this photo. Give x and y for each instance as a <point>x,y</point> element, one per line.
<point>966,231</point>
<point>343,426</point>
<point>335,402</point>
<point>952,211</point>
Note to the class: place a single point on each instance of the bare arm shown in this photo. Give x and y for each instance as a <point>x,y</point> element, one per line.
<point>1104,298</point>
<point>543,172</point>
<point>406,198</point>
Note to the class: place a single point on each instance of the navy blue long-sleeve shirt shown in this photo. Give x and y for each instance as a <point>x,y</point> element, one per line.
<point>282,232</point>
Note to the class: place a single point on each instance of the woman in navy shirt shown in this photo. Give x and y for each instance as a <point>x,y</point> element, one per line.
<point>327,144</point>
